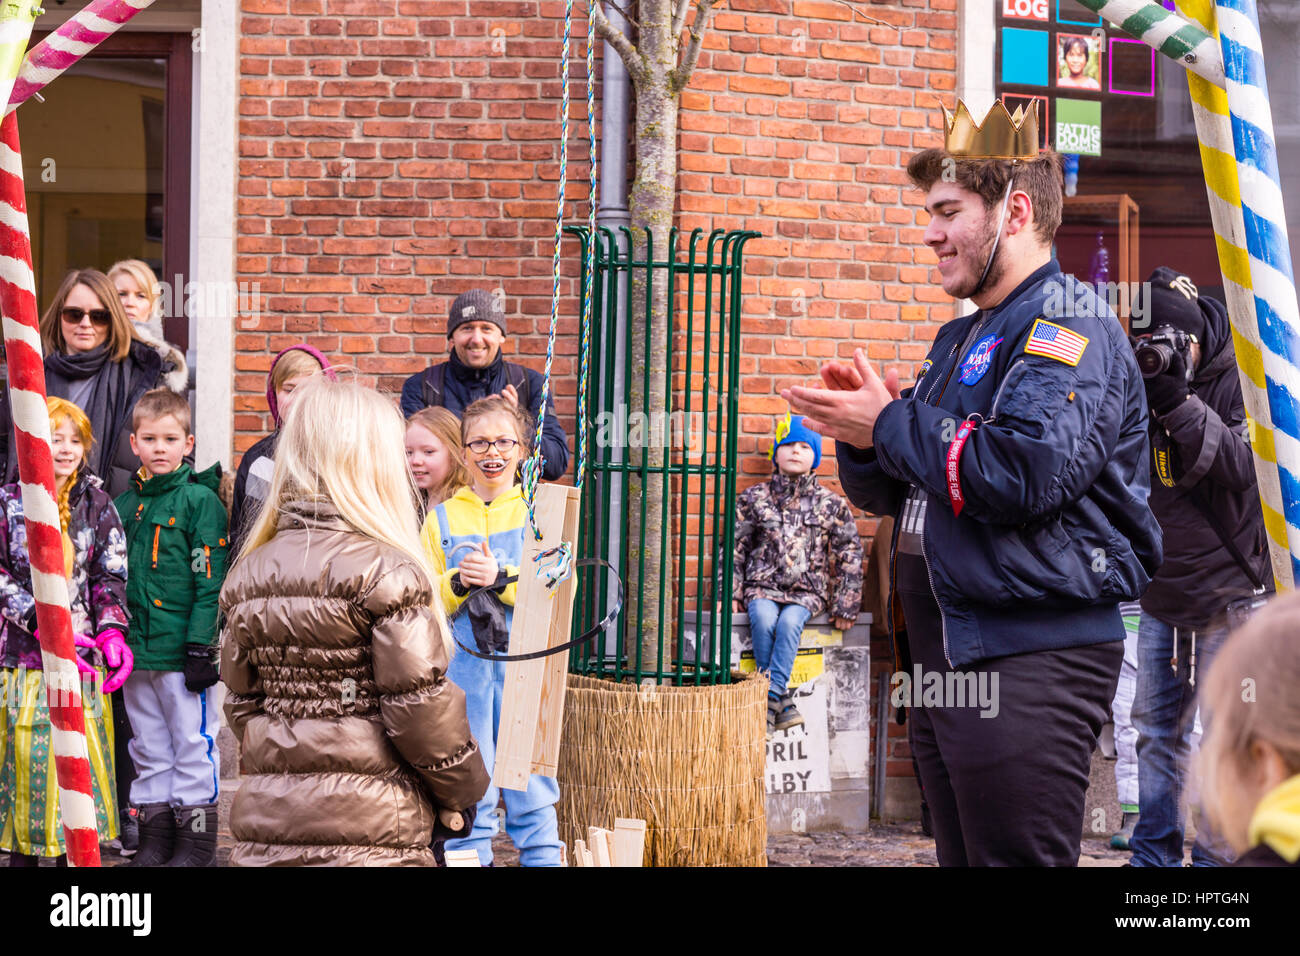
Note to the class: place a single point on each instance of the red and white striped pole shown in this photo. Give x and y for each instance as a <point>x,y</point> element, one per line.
<point>36,476</point>
<point>88,28</point>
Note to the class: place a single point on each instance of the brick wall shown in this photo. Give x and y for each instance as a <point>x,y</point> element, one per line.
<point>396,152</point>
<point>392,154</point>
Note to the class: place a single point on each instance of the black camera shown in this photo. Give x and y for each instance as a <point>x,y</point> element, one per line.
<point>1154,352</point>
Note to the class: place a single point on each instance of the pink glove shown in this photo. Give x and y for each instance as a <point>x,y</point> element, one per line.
<point>118,656</point>
<point>83,640</point>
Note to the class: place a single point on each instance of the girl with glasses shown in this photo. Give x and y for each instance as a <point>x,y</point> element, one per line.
<point>476,539</point>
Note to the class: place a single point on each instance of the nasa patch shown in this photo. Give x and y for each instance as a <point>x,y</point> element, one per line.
<point>979,359</point>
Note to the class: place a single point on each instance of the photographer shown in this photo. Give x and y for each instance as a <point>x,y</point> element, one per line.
<point>1204,495</point>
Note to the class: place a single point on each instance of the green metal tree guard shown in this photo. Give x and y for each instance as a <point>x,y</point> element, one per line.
<point>699,472</point>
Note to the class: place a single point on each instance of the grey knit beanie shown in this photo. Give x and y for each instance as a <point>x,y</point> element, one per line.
<point>476,305</point>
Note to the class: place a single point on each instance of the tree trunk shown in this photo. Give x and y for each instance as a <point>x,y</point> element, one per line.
<point>653,197</point>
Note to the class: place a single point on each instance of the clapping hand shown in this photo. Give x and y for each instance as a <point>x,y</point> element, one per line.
<point>847,408</point>
<point>479,569</point>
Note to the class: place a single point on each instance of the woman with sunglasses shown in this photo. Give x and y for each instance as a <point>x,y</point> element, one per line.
<point>96,360</point>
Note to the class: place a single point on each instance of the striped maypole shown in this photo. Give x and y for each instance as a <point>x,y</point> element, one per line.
<point>69,43</point>
<point>36,472</point>
<point>1272,280</point>
<point>1218,158</point>
<point>1165,32</point>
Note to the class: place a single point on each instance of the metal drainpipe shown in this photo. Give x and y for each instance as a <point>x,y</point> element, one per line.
<point>616,95</point>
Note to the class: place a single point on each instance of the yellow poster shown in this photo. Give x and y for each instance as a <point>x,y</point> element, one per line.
<point>808,664</point>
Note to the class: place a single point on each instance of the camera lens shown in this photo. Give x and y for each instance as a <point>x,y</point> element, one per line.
<point>1153,358</point>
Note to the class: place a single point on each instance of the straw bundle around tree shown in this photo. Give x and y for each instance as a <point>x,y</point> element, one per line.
<point>687,760</point>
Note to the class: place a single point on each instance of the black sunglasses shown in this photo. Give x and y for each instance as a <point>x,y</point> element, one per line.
<point>100,317</point>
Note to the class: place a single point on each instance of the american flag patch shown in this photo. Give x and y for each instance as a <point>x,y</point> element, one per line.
<point>1055,341</point>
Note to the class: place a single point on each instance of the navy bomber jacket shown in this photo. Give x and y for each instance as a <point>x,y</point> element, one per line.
<point>1054,529</point>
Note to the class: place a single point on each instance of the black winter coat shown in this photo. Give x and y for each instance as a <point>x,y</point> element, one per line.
<point>1208,450</point>
<point>463,385</point>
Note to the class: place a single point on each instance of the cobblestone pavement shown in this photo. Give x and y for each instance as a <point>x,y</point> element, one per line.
<point>897,844</point>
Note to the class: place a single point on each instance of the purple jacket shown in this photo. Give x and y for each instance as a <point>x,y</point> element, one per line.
<point>97,588</point>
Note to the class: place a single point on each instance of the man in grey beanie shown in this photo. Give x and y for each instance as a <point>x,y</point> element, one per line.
<point>476,327</point>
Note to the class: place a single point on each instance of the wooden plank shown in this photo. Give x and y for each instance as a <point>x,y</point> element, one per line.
<point>599,841</point>
<point>461,858</point>
<point>579,853</point>
<point>529,631</point>
<point>550,722</point>
<point>629,842</point>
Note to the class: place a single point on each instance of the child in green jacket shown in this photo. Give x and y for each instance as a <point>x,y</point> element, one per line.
<point>176,560</point>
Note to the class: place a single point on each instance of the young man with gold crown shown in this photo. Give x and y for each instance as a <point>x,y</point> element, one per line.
<point>1016,469</point>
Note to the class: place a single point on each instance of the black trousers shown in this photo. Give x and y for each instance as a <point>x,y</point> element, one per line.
<point>123,768</point>
<point>1008,790</point>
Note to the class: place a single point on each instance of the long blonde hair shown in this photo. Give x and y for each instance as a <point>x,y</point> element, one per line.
<point>343,443</point>
<point>1250,696</point>
<point>61,410</point>
<point>443,424</point>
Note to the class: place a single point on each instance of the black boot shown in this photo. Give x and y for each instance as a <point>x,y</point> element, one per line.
<point>157,835</point>
<point>196,836</point>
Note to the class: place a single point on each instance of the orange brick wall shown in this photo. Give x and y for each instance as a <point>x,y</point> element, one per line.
<point>394,153</point>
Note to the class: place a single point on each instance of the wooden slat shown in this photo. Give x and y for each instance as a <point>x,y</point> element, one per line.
<point>629,842</point>
<point>581,855</point>
<point>529,631</point>
<point>461,858</point>
<point>550,721</point>
<point>601,845</point>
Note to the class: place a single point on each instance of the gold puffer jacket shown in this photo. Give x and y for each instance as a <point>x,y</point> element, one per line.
<point>351,735</point>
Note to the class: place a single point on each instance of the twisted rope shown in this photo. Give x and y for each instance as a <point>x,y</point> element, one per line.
<point>531,470</point>
<point>584,363</point>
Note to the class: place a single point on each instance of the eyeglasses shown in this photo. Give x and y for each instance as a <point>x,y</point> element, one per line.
<point>479,445</point>
<point>100,317</point>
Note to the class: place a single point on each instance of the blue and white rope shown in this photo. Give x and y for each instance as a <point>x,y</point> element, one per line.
<point>532,468</point>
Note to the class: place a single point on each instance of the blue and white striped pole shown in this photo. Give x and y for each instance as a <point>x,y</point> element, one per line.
<point>1272,279</point>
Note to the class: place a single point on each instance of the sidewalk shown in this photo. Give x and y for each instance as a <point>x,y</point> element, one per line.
<point>900,844</point>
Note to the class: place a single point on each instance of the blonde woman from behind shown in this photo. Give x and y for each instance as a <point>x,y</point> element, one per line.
<point>355,746</point>
<point>1250,759</point>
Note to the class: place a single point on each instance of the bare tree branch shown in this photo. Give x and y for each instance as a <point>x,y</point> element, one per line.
<point>631,59</point>
<point>624,11</point>
<point>682,75</point>
<point>679,18</point>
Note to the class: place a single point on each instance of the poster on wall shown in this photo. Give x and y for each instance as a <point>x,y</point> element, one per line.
<point>1025,9</point>
<point>1078,62</point>
<point>799,759</point>
<point>1078,127</point>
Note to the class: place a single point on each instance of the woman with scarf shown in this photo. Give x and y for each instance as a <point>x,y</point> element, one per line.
<point>96,360</point>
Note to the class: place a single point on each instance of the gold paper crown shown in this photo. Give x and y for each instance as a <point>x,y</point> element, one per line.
<point>1001,136</point>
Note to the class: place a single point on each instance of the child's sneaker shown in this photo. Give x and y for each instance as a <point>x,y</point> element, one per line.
<point>787,715</point>
<point>773,705</point>
<point>1120,840</point>
<point>128,841</point>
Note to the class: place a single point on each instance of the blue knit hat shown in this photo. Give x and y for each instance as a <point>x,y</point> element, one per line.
<point>793,429</point>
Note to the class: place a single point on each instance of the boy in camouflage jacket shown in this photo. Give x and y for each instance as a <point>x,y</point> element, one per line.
<point>797,554</point>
